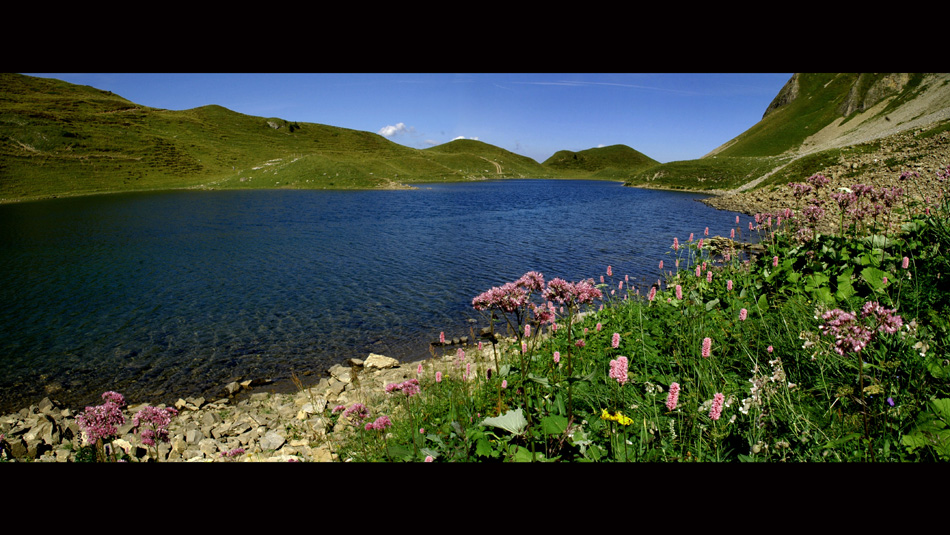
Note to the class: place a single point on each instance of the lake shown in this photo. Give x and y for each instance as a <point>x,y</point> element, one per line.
<point>163,295</point>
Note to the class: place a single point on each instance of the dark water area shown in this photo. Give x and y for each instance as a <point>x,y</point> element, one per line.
<point>164,295</point>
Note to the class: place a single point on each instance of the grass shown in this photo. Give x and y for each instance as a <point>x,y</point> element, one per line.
<point>824,348</point>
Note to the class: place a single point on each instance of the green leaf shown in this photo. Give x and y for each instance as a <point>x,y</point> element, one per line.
<point>712,304</point>
<point>512,421</point>
<point>553,425</point>
<point>874,277</point>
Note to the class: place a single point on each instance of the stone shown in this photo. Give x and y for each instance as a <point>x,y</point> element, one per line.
<point>374,361</point>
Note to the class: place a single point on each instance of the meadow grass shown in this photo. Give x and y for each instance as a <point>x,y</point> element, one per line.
<point>824,347</point>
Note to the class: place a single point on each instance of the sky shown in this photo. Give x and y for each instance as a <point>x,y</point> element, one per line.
<point>666,116</point>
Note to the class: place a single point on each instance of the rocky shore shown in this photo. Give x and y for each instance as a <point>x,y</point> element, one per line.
<point>246,426</point>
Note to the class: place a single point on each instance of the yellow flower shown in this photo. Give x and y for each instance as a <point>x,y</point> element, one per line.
<point>617,417</point>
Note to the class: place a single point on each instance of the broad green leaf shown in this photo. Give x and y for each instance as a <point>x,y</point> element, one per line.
<point>553,425</point>
<point>874,277</point>
<point>512,421</point>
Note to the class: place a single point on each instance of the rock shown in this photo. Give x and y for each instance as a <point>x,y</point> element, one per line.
<point>374,361</point>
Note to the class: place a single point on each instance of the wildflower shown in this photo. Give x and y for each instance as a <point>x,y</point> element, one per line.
<point>102,421</point>
<point>661,264</point>
<point>610,272</point>
<point>580,343</point>
<point>557,357</point>
<point>699,272</point>
<point>679,292</point>
<point>905,263</point>
<point>155,422</point>
<point>706,232</point>
<point>442,337</point>
<point>429,459</point>
<point>774,261</point>
<point>599,327</point>
<point>419,369</point>
<point>618,370</point>
<point>709,276</point>
<point>615,341</point>
<point>673,398</point>
<point>616,417</point>
<point>707,347</point>
<point>770,349</point>
<point>379,424</point>
<point>652,294</point>
<point>504,383</point>
<point>729,285</point>
<point>716,411</point>
<point>890,401</point>
<point>676,244</point>
<point>743,314</point>
<point>357,410</point>
<point>438,377</point>
<point>527,330</point>
<point>699,245</point>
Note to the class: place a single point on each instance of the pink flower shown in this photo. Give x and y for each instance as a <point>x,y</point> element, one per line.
<point>700,244</point>
<point>652,294</point>
<point>732,234</point>
<point>557,357</point>
<point>661,264</point>
<point>676,244</point>
<point>527,330</point>
<point>618,370</point>
<point>716,411</point>
<point>379,424</point>
<point>438,377</point>
<point>153,423</point>
<point>429,459</point>
<point>679,292</point>
<point>580,343</point>
<point>774,261</point>
<point>504,383</point>
<point>707,347</point>
<point>743,314</point>
<point>442,337</point>
<point>599,327</point>
<point>615,341</point>
<point>769,349</point>
<point>673,398</point>
<point>709,276</point>
<point>610,272</point>
<point>419,369</point>
<point>905,263</point>
<point>729,285</point>
<point>699,272</point>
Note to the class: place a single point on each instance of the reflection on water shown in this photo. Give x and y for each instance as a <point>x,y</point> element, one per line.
<point>162,295</point>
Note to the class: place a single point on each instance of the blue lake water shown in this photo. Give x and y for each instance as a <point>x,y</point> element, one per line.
<point>163,295</point>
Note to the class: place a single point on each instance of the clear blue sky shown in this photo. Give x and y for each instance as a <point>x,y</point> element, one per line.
<point>666,116</point>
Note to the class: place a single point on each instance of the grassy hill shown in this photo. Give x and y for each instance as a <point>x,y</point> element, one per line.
<point>612,162</point>
<point>59,139</point>
<point>810,122</point>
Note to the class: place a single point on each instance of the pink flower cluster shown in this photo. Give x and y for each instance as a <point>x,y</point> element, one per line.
<point>152,423</point>
<point>673,397</point>
<point>716,411</point>
<point>379,424</point>
<point>408,387</point>
<point>356,410</point>
<point>615,341</point>
<point>512,296</point>
<point>618,370</point>
<point>102,421</point>
<point>707,347</point>
<point>852,334</point>
<point>572,293</point>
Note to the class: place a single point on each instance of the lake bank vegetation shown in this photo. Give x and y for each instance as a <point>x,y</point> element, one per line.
<point>824,347</point>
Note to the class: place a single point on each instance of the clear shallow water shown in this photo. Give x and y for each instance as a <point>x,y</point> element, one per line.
<point>163,295</point>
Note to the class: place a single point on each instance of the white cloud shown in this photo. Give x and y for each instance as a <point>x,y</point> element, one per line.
<point>463,137</point>
<point>392,130</point>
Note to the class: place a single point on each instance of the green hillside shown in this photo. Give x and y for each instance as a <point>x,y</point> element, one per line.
<point>59,139</point>
<point>612,162</point>
<point>810,103</point>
